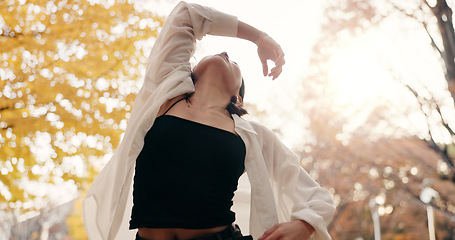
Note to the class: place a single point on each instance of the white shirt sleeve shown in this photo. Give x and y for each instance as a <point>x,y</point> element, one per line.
<point>176,42</point>
<point>296,188</point>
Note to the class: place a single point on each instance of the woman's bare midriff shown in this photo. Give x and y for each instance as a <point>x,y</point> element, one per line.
<point>176,233</point>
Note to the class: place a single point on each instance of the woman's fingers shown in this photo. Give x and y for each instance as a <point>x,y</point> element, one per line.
<point>269,232</point>
<point>275,72</point>
<point>294,230</point>
<point>265,67</point>
<point>280,61</point>
<point>268,49</point>
<point>275,235</point>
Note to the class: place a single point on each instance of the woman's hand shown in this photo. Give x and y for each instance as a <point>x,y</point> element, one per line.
<point>294,230</point>
<point>268,49</point>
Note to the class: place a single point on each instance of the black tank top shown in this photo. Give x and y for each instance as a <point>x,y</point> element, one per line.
<point>186,175</point>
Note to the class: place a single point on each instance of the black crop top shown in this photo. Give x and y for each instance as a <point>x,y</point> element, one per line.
<point>186,175</point>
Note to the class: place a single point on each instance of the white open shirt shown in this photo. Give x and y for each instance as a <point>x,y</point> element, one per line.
<point>281,190</point>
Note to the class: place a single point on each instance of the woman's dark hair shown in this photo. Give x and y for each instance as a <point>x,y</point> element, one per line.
<point>233,107</point>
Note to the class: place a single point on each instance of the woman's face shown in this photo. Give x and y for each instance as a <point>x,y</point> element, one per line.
<point>220,64</point>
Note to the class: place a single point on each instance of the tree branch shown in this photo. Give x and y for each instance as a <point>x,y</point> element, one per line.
<point>444,123</point>
<point>433,43</point>
<point>431,143</point>
<point>4,108</point>
<point>424,24</point>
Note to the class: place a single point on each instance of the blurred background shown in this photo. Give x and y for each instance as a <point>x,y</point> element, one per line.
<point>366,99</point>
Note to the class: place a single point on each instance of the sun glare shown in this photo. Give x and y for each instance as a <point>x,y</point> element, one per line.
<point>356,78</point>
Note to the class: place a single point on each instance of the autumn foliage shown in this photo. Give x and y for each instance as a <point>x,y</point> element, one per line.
<point>69,73</point>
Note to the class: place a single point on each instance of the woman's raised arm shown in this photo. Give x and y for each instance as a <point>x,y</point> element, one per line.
<point>176,42</point>
<point>189,22</point>
<point>268,49</point>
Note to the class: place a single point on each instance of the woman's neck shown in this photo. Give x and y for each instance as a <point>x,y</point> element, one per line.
<point>209,95</point>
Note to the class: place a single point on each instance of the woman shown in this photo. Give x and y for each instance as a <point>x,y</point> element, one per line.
<point>186,147</point>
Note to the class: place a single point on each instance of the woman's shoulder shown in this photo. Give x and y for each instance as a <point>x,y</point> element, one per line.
<point>167,104</point>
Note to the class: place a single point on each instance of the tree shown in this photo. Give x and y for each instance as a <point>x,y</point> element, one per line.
<point>365,168</point>
<point>70,70</point>
<point>75,224</point>
<point>368,147</point>
<point>432,26</point>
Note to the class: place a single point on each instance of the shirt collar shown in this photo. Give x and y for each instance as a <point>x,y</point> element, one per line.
<point>242,124</point>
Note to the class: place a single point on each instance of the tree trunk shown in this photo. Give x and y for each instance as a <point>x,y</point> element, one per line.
<point>443,14</point>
